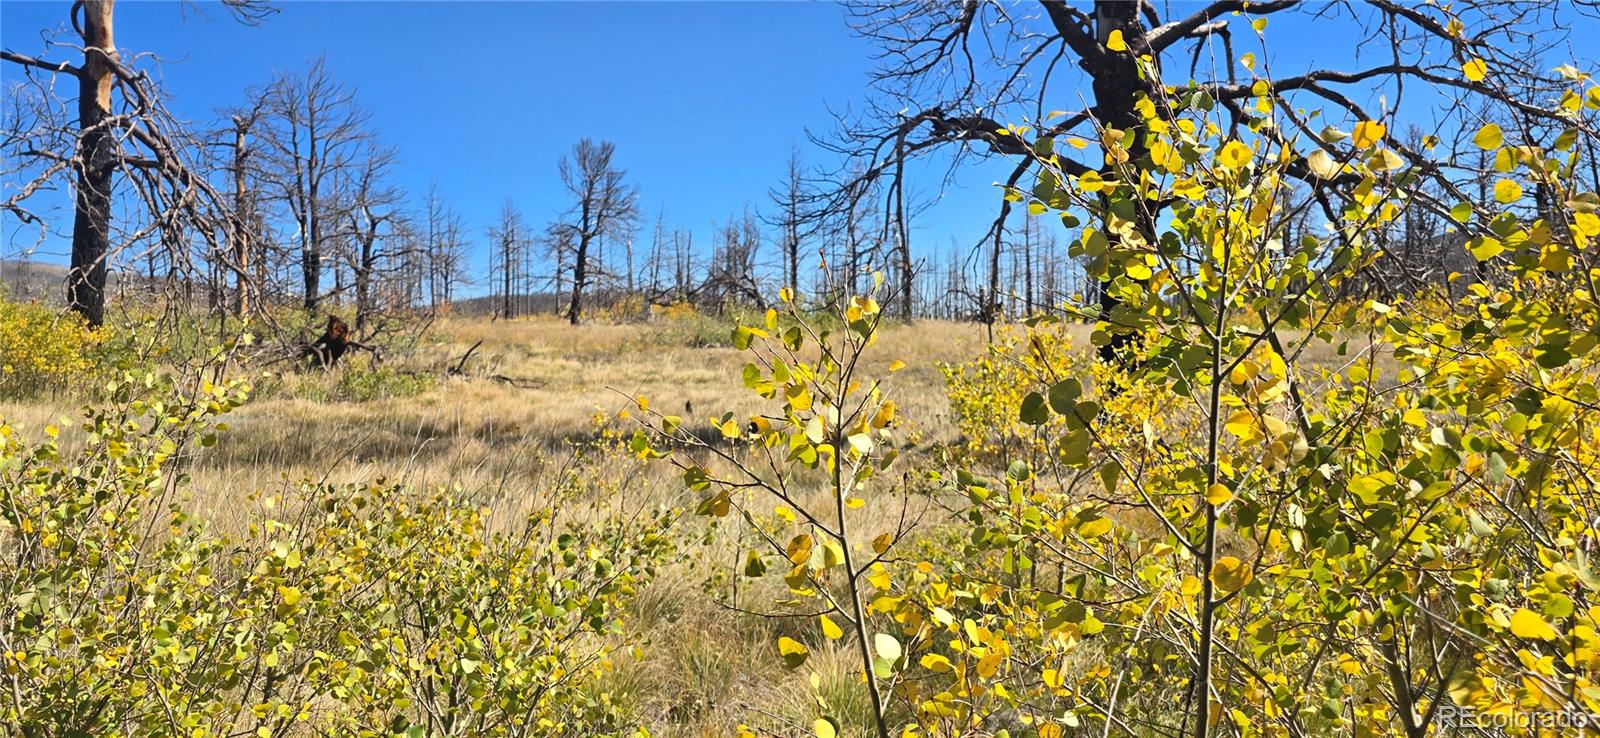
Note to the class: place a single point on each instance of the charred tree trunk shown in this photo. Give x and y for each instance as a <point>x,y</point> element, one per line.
<point>91,223</point>
<point>241,235</point>
<point>580,273</point>
<point>505,264</point>
<point>1116,83</point>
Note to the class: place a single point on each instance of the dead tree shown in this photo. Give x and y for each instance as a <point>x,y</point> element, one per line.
<point>315,133</point>
<point>794,221</point>
<point>954,74</point>
<point>374,204</point>
<point>121,129</point>
<point>605,206</point>
<point>247,221</point>
<point>509,239</point>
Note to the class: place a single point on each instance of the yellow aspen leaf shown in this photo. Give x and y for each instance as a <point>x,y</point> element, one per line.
<point>830,629</point>
<point>1526,623</point>
<point>1488,137</point>
<point>1322,165</point>
<point>1386,160</point>
<point>1115,42</point>
<point>1218,494</point>
<point>794,652</point>
<point>1234,155</point>
<point>1367,134</point>
<point>824,728</point>
<point>1507,191</point>
<point>1165,157</point>
<point>1414,417</point>
<point>291,595</point>
<point>1052,679</point>
<point>1230,574</point>
<point>1475,69</point>
<point>799,548</point>
<point>1243,372</point>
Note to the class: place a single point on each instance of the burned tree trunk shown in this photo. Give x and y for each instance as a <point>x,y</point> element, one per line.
<point>333,344</point>
<point>97,163</point>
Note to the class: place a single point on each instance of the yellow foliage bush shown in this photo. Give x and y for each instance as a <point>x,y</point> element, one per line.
<point>344,610</point>
<point>43,349</point>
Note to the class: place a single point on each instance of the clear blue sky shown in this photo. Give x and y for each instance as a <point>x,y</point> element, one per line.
<point>703,100</point>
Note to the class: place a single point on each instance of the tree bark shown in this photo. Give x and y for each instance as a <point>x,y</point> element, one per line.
<point>91,223</point>
<point>241,235</point>
<point>580,272</point>
<point>1116,82</point>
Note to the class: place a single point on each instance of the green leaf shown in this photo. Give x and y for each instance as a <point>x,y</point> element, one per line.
<point>1034,410</point>
<point>1063,394</point>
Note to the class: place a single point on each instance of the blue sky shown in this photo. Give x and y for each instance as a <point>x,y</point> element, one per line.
<point>704,100</point>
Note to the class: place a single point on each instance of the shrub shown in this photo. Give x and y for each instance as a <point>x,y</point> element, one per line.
<point>362,384</point>
<point>345,610</point>
<point>44,350</point>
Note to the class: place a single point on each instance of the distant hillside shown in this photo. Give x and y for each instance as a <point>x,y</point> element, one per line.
<point>24,280</point>
<point>541,302</point>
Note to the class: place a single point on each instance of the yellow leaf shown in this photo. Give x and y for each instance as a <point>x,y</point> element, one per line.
<point>896,365</point>
<point>1414,417</point>
<point>1488,137</point>
<point>799,548</point>
<point>1243,372</point>
<point>1385,160</point>
<point>1367,134</point>
<point>794,652</point>
<point>824,728</point>
<point>1507,191</point>
<point>882,543</point>
<point>830,629</point>
<point>1475,69</point>
<point>1218,494</point>
<point>1526,623</point>
<point>1234,155</point>
<point>1114,41</point>
<point>1230,574</point>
